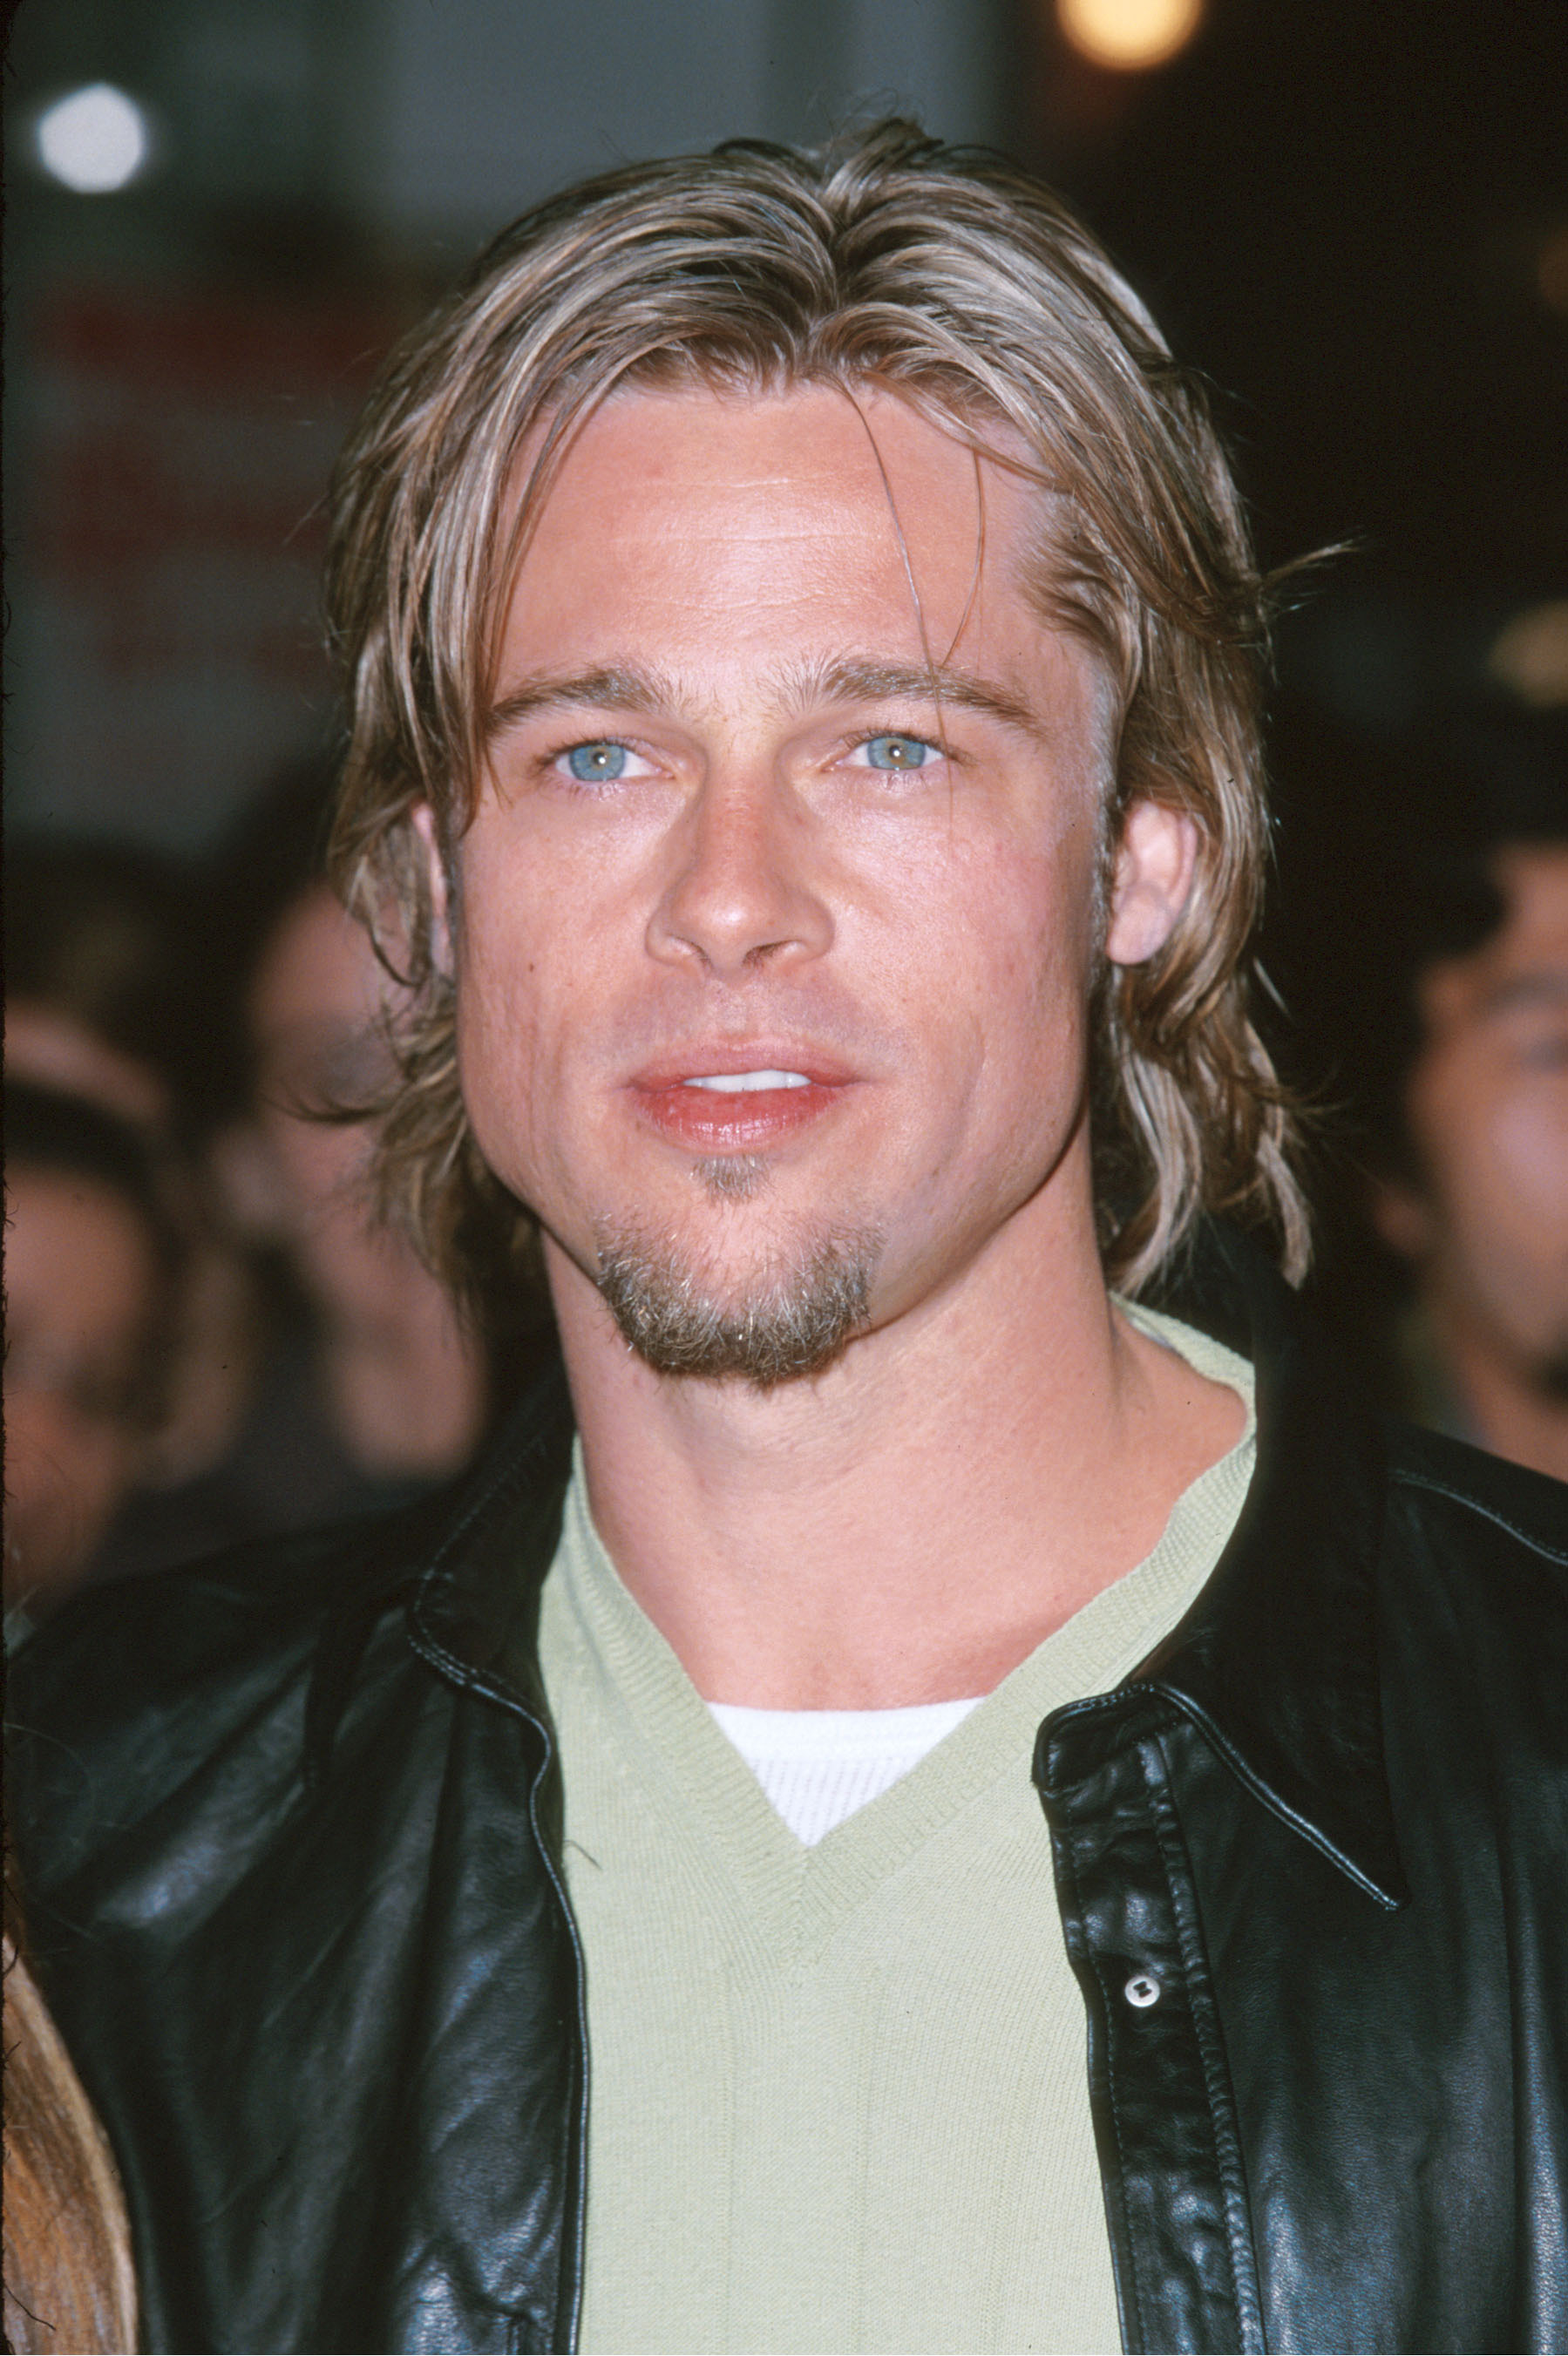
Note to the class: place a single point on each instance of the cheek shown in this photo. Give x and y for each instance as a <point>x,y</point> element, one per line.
<point>52,1453</point>
<point>1529,1140</point>
<point>521,963</point>
<point>1010,983</point>
<point>1035,916</point>
<point>1497,1147</point>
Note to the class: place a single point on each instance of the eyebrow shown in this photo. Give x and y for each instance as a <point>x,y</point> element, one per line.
<point>618,687</point>
<point>615,688</point>
<point>855,681</point>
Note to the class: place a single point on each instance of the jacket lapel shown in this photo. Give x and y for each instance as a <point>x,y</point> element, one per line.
<point>474,1612</point>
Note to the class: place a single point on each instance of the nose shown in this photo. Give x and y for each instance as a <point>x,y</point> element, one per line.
<point>741,895</point>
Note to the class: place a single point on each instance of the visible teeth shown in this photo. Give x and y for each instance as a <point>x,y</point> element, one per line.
<point>735,1084</point>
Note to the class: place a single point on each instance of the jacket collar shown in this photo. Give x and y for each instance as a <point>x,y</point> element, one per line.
<point>474,1612</point>
<point>1276,1661</point>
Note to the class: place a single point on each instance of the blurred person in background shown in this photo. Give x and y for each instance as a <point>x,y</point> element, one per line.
<point>109,999</point>
<point>369,1385</point>
<point>99,1001</point>
<point>1469,1098</point>
<point>93,1261</point>
<point>372,1387</point>
<point>314,1368</point>
<point>1475,1185</point>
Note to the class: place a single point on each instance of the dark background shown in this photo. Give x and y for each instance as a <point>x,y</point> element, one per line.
<point>1352,217</point>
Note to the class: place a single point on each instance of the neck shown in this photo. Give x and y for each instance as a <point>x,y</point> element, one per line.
<point>1508,1409</point>
<point>909,1524</point>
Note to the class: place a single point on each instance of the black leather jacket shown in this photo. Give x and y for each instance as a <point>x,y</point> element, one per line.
<point>290,1824</point>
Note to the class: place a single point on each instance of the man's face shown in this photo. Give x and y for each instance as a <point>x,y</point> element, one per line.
<point>82,1287</point>
<point>771,973</point>
<point>315,1011</point>
<point>1487,1109</point>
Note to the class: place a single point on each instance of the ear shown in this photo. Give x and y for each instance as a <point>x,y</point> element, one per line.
<point>425,826</point>
<point>1155,865</point>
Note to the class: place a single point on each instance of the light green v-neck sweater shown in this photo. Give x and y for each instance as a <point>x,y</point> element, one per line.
<point>837,2095</point>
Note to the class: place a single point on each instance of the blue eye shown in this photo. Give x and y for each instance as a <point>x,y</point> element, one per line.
<point>896,752</point>
<point>599,764</point>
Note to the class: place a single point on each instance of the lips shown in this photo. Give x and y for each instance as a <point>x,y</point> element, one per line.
<point>738,1100</point>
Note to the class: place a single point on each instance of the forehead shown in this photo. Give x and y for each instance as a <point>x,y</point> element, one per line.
<point>1525,961</point>
<point>780,520</point>
<point>751,440</point>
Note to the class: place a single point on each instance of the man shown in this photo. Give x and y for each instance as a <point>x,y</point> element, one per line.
<point>94,1258</point>
<point>359,1385</point>
<point>803,644</point>
<point>1471,1188</point>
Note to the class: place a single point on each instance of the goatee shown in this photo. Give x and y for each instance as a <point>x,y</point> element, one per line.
<point>792,1324</point>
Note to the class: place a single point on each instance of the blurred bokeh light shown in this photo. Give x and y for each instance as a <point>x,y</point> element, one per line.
<point>1530,655</point>
<point>1129,36</point>
<point>94,139</point>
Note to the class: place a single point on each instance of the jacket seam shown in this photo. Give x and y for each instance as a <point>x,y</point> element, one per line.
<point>1488,1513</point>
<point>1118,2190</point>
<point>1216,2075</point>
<point>462,1674</point>
<point>577,2159</point>
<point>469,1680</point>
<point>1111,2075</point>
<point>1264,1793</point>
<point>511,1476</point>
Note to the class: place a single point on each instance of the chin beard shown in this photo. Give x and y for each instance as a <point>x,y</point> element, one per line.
<point>790,1325</point>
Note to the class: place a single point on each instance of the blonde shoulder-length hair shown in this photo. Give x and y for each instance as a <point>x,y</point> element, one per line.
<point>958,284</point>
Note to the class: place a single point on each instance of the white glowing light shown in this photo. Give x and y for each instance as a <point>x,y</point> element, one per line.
<point>95,140</point>
<point>1129,36</point>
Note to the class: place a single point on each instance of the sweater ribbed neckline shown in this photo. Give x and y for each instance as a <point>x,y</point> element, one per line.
<point>678,1758</point>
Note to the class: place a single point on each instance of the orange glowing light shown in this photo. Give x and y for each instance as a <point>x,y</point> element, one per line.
<point>1129,36</point>
<point>1552,269</point>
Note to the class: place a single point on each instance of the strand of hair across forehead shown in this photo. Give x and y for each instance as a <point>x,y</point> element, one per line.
<point>915,598</point>
<point>980,546</point>
<point>903,559</point>
<point>968,603</point>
